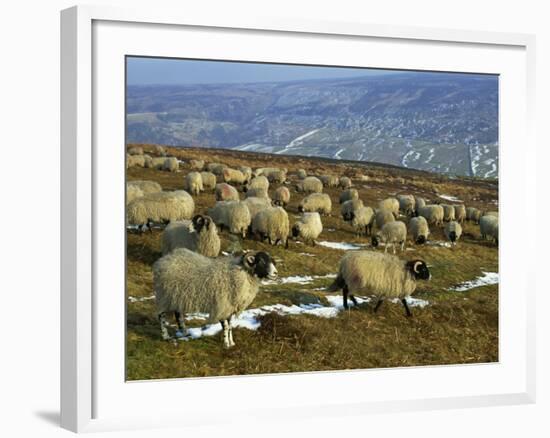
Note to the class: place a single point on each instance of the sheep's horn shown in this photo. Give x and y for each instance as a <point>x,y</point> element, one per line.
<point>418,262</point>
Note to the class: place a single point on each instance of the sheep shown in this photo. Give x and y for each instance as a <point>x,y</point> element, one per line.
<point>208,181</point>
<point>199,235</point>
<point>132,192</point>
<point>193,183</point>
<point>390,234</point>
<point>348,195</point>
<point>233,215</point>
<point>258,182</point>
<point>488,227</point>
<point>255,205</point>
<point>271,223</point>
<point>160,207</point>
<point>281,196</point>
<point>460,213</point>
<point>233,176</point>
<point>187,282</point>
<point>171,164</point>
<point>257,192</point>
<point>349,207</point>
<point>473,214</point>
<point>135,161</point>
<point>246,171</point>
<point>135,150</point>
<point>453,231</point>
<point>265,171</point>
<point>390,204</point>
<point>196,164</point>
<point>419,203</point>
<point>147,161</point>
<point>448,212</point>
<point>319,202</point>
<point>383,275</point>
<point>226,192</point>
<point>329,180</point>
<point>216,168</point>
<point>308,228</point>
<point>159,150</point>
<point>419,229</point>
<point>491,213</point>
<point>433,213</point>
<point>301,173</point>
<point>310,184</point>
<point>344,182</point>
<point>146,186</point>
<point>158,163</point>
<point>382,217</point>
<point>276,176</point>
<point>406,204</point>
<point>362,218</point>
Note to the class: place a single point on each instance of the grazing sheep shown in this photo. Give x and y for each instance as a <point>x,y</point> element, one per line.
<point>319,202</point>
<point>208,181</point>
<point>158,163</point>
<point>216,168</point>
<point>448,212</point>
<point>159,150</point>
<point>199,235</point>
<point>233,215</point>
<point>193,183</point>
<point>281,196</point>
<point>196,164</point>
<point>271,223</point>
<point>349,207</point>
<point>257,192</point>
<point>233,176</point>
<point>344,182</point>
<point>390,204</point>
<point>226,192</point>
<point>171,164</point>
<point>255,205</point>
<point>136,150</point>
<point>390,234</point>
<point>473,214</point>
<point>362,178</point>
<point>160,207</point>
<point>301,173</point>
<point>265,171</point>
<point>453,231</point>
<point>246,171</point>
<point>488,227</point>
<point>146,186</point>
<point>135,161</point>
<point>348,195</point>
<point>132,192</point>
<point>460,213</point>
<point>258,182</point>
<point>362,219</point>
<point>329,180</point>
<point>419,203</point>
<point>308,228</point>
<point>187,282</point>
<point>147,161</point>
<point>310,184</point>
<point>406,204</point>
<point>419,229</point>
<point>433,213</point>
<point>382,275</point>
<point>382,217</point>
<point>276,176</point>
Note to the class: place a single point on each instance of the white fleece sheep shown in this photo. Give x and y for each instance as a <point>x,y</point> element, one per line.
<point>132,192</point>
<point>473,214</point>
<point>348,195</point>
<point>433,213</point>
<point>308,227</point>
<point>362,220</point>
<point>196,164</point>
<point>344,182</point>
<point>319,202</point>
<point>460,213</point>
<point>258,182</point>
<point>216,168</point>
<point>390,234</point>
<point>193,183</point>
<point>301,173</point>
<point>329,180</point>
<point>448,212</point>
<point>199,235</point>
<point>488,227</point>
<point>135,161</point>
<point>208,181</point>
<point>135,150</point>
<point>281,197</point>
<point>233,176</point>
<point>453,231</point>
<point>310,184</point>
<point>383,275</point>
<point>418,226</point>
<point>382,217</point>
<point>171,164</point>
<point>271,224</point>
<point>226,192</point>
<point>348,207</point>
<point>187,282</point>
<point>257,192</point>
<point>255,205</point>
<point>146,186</point>
<point>233,215</point>
<point>406,204</point>
<point>390,204</point>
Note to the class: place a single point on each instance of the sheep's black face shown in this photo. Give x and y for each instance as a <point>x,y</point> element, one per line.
<point>375,241</point>
<point>262,265</point>
<point>198,222</point>
<point>419,269</point>
<point>295,231</point>
<point>421,240</point>
<point>301,209</point>
<point>348,216</point>
<point>452,236</point>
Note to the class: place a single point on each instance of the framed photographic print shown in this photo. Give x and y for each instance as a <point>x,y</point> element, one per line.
<point>324,209</point>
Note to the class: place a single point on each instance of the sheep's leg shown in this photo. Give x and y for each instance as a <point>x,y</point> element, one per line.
<point>407,310</point>
<point>225,327</point>
<point>345,292</point>
<point>231,342</point>
<point>402,246</point>
<point>353,300</point>
<point>163,325</point>
<point>393,247</point>
<point>378,304</point>
<point>181,323</point>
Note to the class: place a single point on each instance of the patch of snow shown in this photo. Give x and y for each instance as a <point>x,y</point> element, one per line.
<point>486,279</point>
<point>307,254</point>
<point>337,154</point>
<point>296,141</point>
<point>438,243</point>
<point>297,279</point>
<point>140,299</point>
<point>450,198</point>
<point>344,246</point>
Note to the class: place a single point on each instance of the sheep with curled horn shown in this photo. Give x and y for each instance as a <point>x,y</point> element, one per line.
<point>199,235</point>
<point>384,276</point>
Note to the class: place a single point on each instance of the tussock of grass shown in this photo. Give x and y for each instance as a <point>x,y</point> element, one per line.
<point>457,327</point>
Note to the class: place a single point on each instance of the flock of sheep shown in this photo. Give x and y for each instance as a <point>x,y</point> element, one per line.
<point>192,277</point>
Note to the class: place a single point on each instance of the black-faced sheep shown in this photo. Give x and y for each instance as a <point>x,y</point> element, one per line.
<point>281,197</point>
<point>171,164</point>
<point>433,213</point>
<point>392,233</point>
<point>348,195</point>
<point>199,235</point>
<point>308,228</point>
<point>319,202</point>
<point>453,231</point>
<point>473,214</point>
<point>193,183</point>
<point>329,180</point>
<point>233,176</point>
<point>344,182</point>
<point>390,204</point>
<point>419,229</point>
<point>255,205</point>
<point>488,227</point>
<point>272,224</point>
<point>233,215</point>
<point>406,204</point>
<point>310,184</point>
<point>348,207</point>
<point>382,217</point>
<point>362,220</point>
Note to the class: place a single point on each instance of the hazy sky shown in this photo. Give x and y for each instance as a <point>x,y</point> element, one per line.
<point>146,71</point>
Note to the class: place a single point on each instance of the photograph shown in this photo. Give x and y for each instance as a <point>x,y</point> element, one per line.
<point>285,218</point>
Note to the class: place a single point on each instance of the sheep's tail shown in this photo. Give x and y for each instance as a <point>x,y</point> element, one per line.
<point>337,285</point>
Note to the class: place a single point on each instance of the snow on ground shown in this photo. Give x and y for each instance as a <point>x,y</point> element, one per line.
<point>341,245</point>
<point>486,279</point>
<point>140,299</point>
<point>450,198</point>
<point>297,141</point>
<point>337,154</point>
<point>438,243</point>
<point>297,279</point>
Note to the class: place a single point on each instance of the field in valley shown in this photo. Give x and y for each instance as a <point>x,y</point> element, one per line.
<point>293,325</point>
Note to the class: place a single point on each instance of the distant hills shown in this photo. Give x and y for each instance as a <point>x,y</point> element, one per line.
<point>441,123</point>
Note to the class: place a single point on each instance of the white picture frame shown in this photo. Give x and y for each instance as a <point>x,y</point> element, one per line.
<point>94,395</point>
